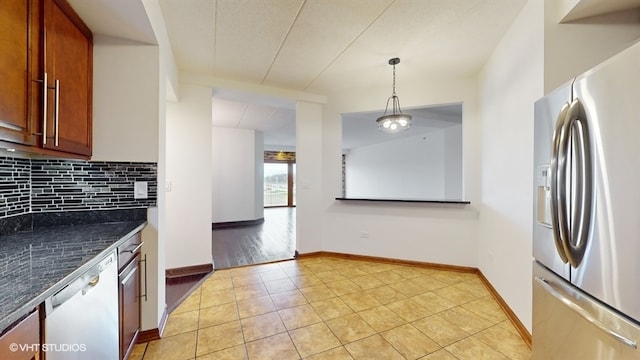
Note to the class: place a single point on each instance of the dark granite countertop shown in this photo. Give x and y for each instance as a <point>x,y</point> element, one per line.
<point>36,263</point>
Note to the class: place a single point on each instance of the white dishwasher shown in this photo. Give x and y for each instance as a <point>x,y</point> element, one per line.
<point>82,318</point>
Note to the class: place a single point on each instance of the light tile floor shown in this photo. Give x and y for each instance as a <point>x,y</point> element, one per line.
<point>334,308</point>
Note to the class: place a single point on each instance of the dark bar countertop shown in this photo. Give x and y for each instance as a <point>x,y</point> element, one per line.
<point>42,253</point>
<point>398,200</point>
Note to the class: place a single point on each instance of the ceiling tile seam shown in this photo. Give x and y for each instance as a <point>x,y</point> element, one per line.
<point>284,39</point>
<point>215,34</point>
<point>271,116</point>
<point>241,117</point>
<point>306,87</point>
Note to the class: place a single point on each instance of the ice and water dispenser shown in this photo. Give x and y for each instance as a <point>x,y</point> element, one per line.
<point>543,194</point>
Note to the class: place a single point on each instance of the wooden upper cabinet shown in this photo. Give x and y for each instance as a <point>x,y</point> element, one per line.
<point>45,39</point>
<point>68,58</point>
<point>15,43</point>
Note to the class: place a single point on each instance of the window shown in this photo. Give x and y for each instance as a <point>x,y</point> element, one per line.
<point>279,179</point>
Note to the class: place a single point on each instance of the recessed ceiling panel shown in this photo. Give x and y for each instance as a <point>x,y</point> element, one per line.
<point>361,129</point>
<point>259,117</point>
<point>432,38</point>
<point>281,130</point>
<point>226,113</point>
<point>190,26</point>
<point>321,32</point>
<point>249,34</point>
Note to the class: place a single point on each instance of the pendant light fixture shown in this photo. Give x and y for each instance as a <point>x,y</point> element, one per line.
<point>396,121</point>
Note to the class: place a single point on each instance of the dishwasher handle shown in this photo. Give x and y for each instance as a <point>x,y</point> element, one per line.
<point>83,284</point>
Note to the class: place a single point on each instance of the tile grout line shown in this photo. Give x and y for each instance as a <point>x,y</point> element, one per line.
<point>235,302</point>
<point>291,274</point>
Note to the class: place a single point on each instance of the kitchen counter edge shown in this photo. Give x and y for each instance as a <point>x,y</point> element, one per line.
<point>7,321</point>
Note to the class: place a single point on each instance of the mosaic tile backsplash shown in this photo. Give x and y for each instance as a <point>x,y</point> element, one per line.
<point>14,186</point>
<point>45,185</point>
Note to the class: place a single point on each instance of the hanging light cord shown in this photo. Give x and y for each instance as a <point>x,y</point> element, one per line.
<point>394,81</point>
<point>394,98</point>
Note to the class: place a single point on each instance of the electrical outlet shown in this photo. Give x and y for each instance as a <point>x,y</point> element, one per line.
<point>140,190</point>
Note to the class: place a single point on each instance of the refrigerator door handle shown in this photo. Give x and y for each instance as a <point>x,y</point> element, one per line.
<point>566,300</point>
<point>558,163</point>
<point>581,221</point>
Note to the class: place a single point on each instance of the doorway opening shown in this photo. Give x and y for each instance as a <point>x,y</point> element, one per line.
<point>254,197</point>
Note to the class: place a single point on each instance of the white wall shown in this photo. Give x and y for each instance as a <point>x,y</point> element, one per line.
<point>421,232</point>
<point>572,48</point>
<point>511,81</point>
<point>125,101</point>
<point>453,162</point>
<point>128,125</point>
<point>188,152</point>
<point>534,57</point>
<point>309,186</point>
<point>237,181</point>
<point>408,168</point>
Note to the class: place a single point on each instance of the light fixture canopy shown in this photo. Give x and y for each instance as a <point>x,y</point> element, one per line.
<point>396,121</point>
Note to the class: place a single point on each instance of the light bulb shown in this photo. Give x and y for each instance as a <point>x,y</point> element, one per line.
<point>393,126</point>
<point>386,123</point>
<point>402,122</point>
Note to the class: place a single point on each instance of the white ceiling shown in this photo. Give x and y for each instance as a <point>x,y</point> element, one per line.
<point>359,129</point>
<point>318,46</point>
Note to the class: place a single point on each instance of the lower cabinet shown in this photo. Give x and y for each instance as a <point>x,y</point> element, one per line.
<point>129,293</point>
<point>22,342</point>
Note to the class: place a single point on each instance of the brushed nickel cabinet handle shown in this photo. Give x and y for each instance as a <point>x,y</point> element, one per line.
<point>57,117</point>
<point>135,249</point>
<point>45,88</point>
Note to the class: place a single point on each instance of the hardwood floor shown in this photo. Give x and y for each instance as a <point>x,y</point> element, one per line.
<point>273,240</point>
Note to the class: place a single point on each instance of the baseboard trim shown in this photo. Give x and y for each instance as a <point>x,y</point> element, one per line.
<point>188,271</point>
<point>385,260</point>
<point>232,224</point>
<point>522,330</point>
<point>154,334</point>
<point>201,279</point>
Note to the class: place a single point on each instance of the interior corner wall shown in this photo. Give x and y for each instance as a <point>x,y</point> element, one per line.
<point>189,173</point>
<point>510,82</point>
<point>238,161</point>
<point>453,164</point>
<point>573,48</point>
<point>408,168</point>
<point>125,118</point>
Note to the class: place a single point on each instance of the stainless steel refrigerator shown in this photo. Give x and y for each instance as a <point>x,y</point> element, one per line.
<point>586,226</point>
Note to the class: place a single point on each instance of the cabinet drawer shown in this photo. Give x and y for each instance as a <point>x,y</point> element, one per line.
<point>129,249</point>
<point>25,335</point>
<point>129,290</point>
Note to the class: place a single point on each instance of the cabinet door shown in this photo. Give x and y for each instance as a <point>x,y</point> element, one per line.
<point>68,62</point>
<point>129,306</point>
<point>15,41</point>
<point>22,341</point>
